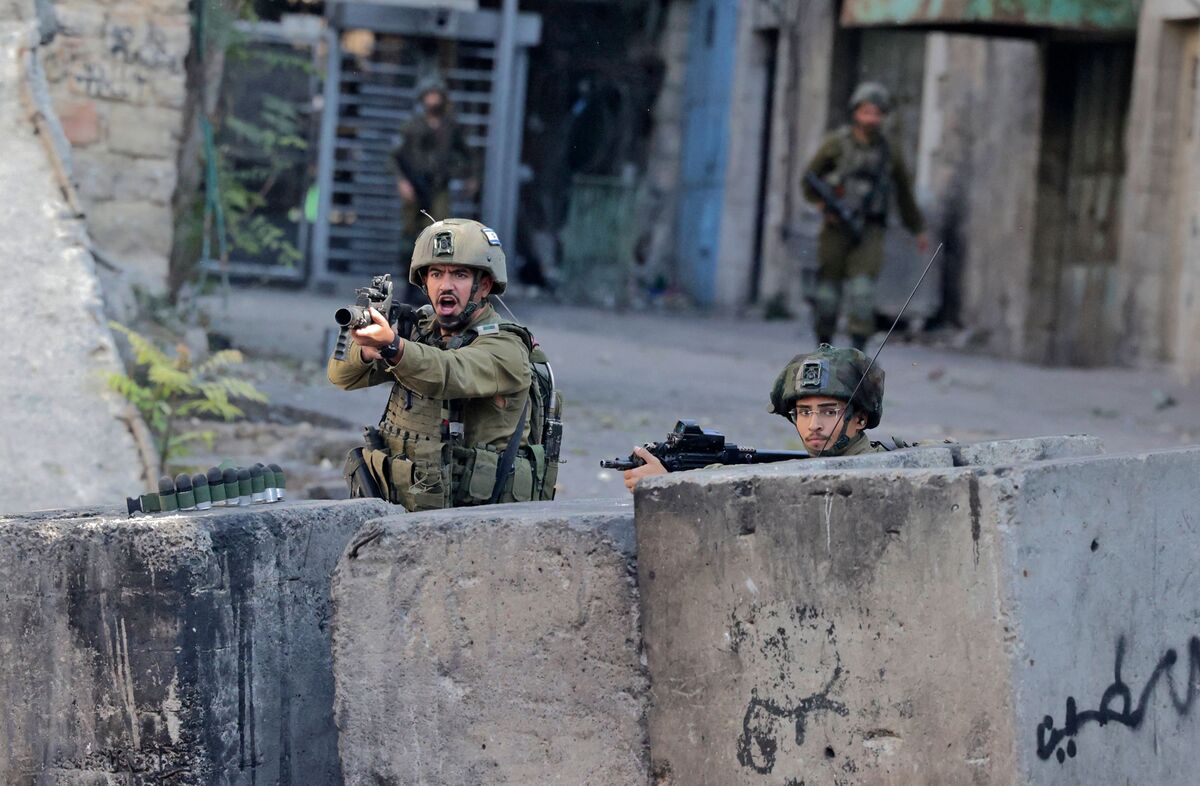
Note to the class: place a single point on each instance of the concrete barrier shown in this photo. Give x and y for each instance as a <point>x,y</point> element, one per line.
<point>495,645</point>
<point>995,625</point>
<point>181,649</point>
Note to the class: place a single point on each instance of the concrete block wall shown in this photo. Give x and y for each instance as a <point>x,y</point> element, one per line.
<point>1022,622</point>
<point>499,645</point>
<point>183,649</point>
<point>1016,612</point>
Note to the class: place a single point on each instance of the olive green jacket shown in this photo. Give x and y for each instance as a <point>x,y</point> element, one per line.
<point>491,375</point>
<point>859,445</point>
<point>826,160</point>
<point>432,155</point>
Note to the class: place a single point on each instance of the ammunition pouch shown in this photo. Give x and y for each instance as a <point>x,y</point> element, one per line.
<point>474,475</point>
<point>359,480</point>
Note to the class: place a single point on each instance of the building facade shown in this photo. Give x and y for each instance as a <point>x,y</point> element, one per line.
<point>1054,149</point>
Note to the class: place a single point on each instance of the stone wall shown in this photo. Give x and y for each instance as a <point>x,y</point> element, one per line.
<point>116,74</point>
<point>978,159</point>
<point>183,649</point>
<point>1015,612</point>
<point>1160,241</point>
<point>498,645</point>
<point>67,440</point>
<point>1022,621</point>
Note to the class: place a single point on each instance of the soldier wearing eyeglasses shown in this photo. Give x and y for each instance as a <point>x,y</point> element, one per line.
<point>832,396</point>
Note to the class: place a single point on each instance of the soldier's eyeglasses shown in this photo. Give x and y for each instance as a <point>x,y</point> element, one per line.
<point>821,413</point>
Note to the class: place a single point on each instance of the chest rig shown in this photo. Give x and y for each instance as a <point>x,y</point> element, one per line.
<point>862,176</point>
<point>428,464</point>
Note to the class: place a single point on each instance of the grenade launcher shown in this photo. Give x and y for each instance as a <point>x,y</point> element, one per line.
<point>357,315</point>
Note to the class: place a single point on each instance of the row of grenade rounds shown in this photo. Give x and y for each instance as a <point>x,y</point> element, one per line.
<point>224,486</point>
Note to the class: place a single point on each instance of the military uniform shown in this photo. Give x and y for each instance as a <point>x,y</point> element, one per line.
<point>429,158</point>
<point>458,401</point>
<point>834,373</point>
<point>863,176</point>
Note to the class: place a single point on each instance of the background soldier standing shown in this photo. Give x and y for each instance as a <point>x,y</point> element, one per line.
<point>456,429</point>
<point>861,166</point>
<point>431,152</point>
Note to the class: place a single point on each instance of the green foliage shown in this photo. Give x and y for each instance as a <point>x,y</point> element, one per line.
<point>166,388</point>
<point>259,138</point>
<point>254,152</point>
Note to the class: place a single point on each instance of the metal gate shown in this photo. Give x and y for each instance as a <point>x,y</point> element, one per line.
<point>368,97</point>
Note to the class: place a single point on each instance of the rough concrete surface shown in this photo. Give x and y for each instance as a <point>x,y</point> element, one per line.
<point>497,645</point>
<point>64,443</point>
<point>816,628</point>
<point>1100,572</point>
<point>1032,623</point>
<point>1004,452</point>
<point>181,649</point>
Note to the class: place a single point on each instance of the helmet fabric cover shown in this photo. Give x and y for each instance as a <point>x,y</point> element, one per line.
<point>834,373</point>
<point>874,93</point>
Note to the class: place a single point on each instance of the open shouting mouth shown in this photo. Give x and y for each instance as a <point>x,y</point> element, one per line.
<point>446,305</point>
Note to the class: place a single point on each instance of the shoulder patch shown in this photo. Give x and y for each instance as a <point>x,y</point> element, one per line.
<point>489,329</point>
<point>492,238</point>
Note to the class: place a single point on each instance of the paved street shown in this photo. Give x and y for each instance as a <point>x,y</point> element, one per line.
<point>628,377</point>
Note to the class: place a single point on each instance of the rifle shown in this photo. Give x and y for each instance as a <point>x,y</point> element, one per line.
<point>378,295</point>
<point>690,446</point>
<point>422,187</point>
<point>850,219</point>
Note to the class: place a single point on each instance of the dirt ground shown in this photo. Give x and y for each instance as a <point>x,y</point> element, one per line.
<point>627,378</point>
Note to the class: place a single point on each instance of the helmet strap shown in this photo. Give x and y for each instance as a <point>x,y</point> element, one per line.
<point>842,441</point>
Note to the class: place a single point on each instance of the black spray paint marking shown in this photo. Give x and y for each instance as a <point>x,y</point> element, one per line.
<point>1129,716</point>
<point>758,743</point>
<point>973,490</point>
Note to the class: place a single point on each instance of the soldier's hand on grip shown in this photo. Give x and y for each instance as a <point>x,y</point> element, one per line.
<point>652,466</point>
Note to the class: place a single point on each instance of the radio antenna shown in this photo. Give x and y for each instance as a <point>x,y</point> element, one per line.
<point>871,364</point>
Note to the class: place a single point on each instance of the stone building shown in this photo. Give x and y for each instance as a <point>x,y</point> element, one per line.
<point>1160,247</point>
<point>117,80</point>
<point>1055,163</point>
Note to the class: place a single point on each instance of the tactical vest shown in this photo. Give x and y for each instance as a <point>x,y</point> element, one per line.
<point>422,462</point>
<point>862,176</point>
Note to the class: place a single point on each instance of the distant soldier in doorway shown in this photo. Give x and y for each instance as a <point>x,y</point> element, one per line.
<point>851,177</point>
<point>432,151</point>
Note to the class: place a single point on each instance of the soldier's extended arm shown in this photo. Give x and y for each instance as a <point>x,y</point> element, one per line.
<point>493,365</point>
<point>910,214</point>
<point>354,372</point>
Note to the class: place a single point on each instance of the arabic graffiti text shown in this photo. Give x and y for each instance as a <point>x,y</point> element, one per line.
<point>1117,704</point>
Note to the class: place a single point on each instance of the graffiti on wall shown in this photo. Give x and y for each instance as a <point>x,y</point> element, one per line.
<point>1117,704</point>
<point>759,742</point>
<point>122,66</point>
<point>791,647</point>
<point>149,764</point>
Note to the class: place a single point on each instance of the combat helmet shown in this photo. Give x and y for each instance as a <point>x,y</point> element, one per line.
<point>834,373</point>
<point>459,241</point>
<point>874,93</point>
<point>431,83</point>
